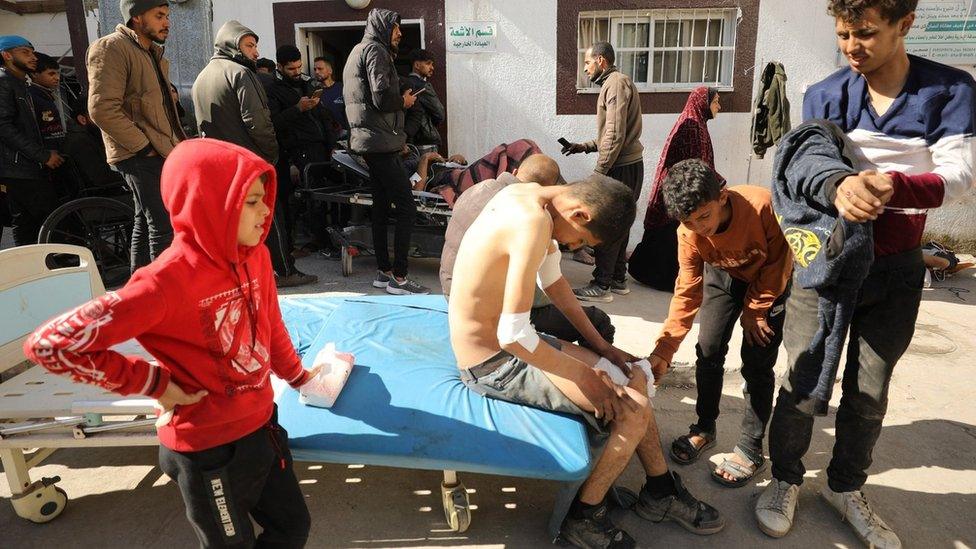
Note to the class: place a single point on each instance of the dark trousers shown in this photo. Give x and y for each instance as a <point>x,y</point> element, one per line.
<point>611,258</point>
<point>391,185</point>
<point>280,241</point>
<point>549,320</point>
<point>881,330</point>
<point>722,303</point>
<point>30,202</point>
<point>655,260</point>
<point>224,487</point>
<point>151,230</point>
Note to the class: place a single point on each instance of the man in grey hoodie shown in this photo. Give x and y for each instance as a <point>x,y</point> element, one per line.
<point>374,107</point>
<point>229,100</point>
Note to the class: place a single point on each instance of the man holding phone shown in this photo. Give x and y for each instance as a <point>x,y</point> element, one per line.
<point>428,112</point>
<point>621,156</point>
<point>305,135</point>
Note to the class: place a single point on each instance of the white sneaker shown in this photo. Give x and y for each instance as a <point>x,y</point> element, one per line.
<point>776,508</point>
<point>854,509</point>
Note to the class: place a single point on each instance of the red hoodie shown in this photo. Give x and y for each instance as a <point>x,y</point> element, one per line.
<point>206,309</point>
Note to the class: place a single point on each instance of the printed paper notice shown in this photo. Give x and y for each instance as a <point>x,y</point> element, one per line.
<point>471,37</point>
<point>944,31</point>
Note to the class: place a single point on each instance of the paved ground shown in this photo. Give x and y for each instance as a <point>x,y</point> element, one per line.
<point>923,479</point>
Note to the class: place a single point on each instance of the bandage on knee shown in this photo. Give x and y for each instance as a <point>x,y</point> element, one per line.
<point>549,271</point>
<point>517,328</point>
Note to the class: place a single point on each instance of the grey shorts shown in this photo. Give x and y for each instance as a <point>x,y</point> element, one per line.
<point>511,379</point>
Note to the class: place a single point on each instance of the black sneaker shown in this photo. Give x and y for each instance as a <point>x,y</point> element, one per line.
<point>595,531</point>
<point>619,287</point>
<point>407,287</point>
<point>296,278</point>
<point>594,292</point>
<point>382,280</point>
<point>695,516</point>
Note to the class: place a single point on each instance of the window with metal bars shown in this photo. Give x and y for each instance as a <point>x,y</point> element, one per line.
<point>664,49</point>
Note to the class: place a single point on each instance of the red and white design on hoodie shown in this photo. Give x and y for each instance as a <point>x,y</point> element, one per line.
<point>206,309</point>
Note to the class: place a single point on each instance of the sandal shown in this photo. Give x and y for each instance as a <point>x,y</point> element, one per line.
<point>742,473</point>
<point>683,446</point>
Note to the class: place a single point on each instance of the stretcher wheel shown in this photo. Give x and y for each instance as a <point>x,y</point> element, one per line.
<point>42,502</point>
<point>345,262</point>
<point>457,509</point>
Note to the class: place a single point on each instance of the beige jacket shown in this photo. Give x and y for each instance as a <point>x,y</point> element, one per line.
<point>618,122</point>
<point>129,97</point>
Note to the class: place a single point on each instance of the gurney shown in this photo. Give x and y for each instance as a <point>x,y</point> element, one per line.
<point>40,411</point>
<point>353,189</point>
<point>405,406</point>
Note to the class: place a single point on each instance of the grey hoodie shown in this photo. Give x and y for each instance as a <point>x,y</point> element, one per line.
<point>371,89</point>
<point>228,99</point>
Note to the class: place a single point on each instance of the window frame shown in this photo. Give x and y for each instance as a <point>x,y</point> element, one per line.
<point>729,17</point>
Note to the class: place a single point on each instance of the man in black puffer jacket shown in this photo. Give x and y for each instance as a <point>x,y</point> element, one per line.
<point>374,107</point>
<point>30,194</point>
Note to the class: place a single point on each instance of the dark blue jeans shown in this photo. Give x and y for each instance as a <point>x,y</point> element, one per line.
<point>881,330</point>
<point>151,231</point>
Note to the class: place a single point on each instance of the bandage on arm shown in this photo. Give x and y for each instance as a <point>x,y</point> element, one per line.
<point>517,328</point>
<point>549,271</point>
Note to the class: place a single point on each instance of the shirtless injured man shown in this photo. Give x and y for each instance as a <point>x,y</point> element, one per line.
<point>510,248</point>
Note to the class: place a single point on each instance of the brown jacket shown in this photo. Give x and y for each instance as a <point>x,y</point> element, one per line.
<point>129,97</point>
<point>618,122</point>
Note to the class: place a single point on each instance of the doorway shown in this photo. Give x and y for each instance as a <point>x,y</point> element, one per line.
<point>334,41</point>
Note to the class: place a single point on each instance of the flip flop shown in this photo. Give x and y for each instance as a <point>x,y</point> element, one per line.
<point>742,473</point>
<point>684,446</point>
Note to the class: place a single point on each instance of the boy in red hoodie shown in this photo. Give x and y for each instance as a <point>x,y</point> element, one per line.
<point>207,310</point>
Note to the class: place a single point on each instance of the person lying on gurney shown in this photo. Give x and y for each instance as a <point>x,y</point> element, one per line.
<point>429,168</point>
<point>511,246</point>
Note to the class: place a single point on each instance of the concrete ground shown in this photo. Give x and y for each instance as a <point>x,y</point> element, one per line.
<point>923,481</point>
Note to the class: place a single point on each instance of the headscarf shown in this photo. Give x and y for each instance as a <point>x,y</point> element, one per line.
<point>688,139</point>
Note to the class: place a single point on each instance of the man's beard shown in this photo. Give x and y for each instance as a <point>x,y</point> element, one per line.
<point>596,76</point>
<point>21,66</point>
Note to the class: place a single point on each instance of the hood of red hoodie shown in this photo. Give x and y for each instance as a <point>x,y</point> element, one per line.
<point>203,186</point>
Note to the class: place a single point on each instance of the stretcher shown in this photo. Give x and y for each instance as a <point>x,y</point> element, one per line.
<point>345,182</point>
<point>40,411</point>
<point>405,406</point>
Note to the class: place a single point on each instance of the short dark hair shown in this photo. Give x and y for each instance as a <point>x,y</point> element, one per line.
<point>604,49</point>
<point>325,60</point>
<point>421,54</point>
<point>46,62</point>
<point>689,185</point>
<point>265,63</point>
<point>611,203</point>
<point>287,54</point>
<point>853,10</point>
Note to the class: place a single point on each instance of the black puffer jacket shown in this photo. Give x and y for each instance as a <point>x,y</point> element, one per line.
<point>22,152</point>
<point>371,90</point>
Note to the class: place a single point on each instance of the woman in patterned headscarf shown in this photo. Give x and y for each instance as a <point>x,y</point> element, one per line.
<point>655,260</point>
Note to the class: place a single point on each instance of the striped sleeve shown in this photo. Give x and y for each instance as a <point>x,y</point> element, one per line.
<point>951,121</point>
<point>78,343</point>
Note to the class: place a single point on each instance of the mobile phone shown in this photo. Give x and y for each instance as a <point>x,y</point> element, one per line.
<point>418,92</point>
<point>317,93</point>
<point>562,141</point>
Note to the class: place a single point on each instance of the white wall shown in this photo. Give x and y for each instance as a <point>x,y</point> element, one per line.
<point>47,31</point>
<point>510,94</point>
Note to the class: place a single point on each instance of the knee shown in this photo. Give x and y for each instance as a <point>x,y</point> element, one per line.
<point>711,355</point>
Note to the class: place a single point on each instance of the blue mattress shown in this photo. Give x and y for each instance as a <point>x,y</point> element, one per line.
<point>404,405</point>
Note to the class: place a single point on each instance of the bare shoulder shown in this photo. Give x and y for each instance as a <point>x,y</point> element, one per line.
<point>518,210</point>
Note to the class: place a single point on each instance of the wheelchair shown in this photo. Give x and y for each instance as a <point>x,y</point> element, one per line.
<point>98,216</point>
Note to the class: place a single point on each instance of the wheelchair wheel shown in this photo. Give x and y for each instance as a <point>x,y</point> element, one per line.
<point>102,225</point>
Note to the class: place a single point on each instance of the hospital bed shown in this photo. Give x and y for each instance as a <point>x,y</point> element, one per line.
<point>40,411</point>
<point>351,187</point>
<point>403,406</point>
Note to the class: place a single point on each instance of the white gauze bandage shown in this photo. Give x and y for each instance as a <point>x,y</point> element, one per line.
<point>516,328</point>
<point>549,271</point>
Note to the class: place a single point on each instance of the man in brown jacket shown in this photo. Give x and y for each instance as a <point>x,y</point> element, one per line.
<point>621,156</point>
<point>130,101</point>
